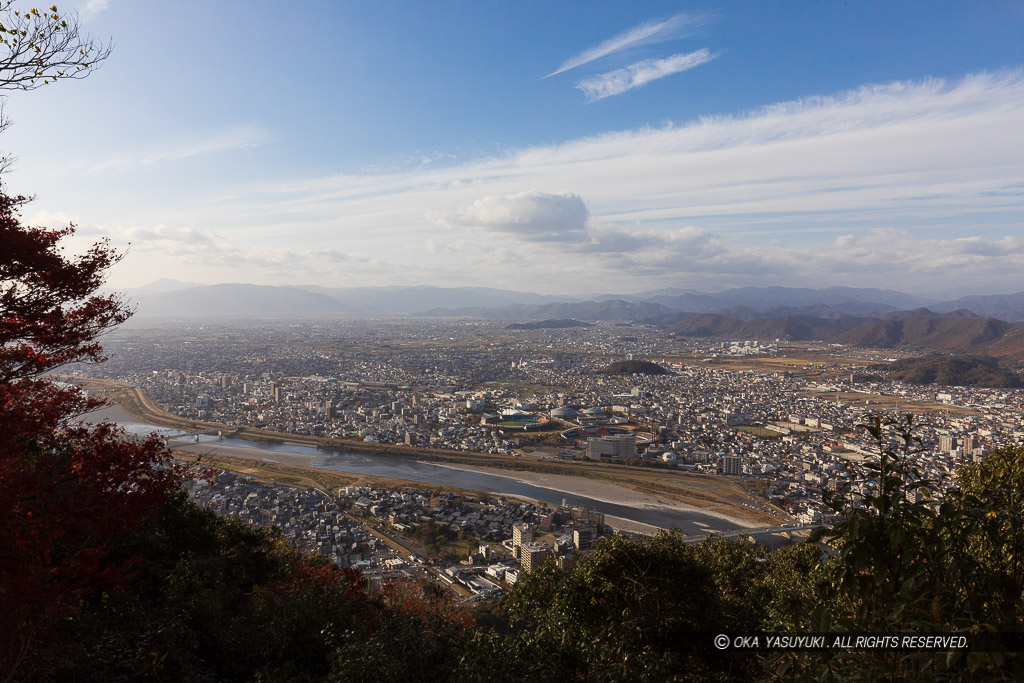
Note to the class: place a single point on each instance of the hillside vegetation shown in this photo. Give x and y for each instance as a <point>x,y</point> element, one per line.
<point>634,367</point>
<point>954,332</point>
<point>213,599</point>
<point>967,371</point>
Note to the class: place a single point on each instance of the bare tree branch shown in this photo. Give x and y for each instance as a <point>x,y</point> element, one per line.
<point>38,47</point>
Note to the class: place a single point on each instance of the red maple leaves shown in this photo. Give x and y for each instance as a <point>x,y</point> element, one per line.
<point>68,491</point>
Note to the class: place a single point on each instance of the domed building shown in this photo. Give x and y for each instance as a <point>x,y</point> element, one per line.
<point>565,413</point>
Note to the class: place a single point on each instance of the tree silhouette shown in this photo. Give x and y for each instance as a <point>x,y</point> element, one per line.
<point>68,491</point>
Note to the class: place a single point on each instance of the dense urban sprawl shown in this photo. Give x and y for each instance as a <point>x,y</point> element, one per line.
<point>478,386</point>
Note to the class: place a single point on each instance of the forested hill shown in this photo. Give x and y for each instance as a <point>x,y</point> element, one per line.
<point>966,371</point>
<point>634,367</point>
<point>953,332</point>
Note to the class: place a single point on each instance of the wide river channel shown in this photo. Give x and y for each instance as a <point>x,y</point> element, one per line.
<point>406,468</point>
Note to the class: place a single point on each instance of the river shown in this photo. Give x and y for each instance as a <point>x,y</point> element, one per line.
<point>396,467</point>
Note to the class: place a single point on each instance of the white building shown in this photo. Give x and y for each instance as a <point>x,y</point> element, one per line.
<point>613,447</point>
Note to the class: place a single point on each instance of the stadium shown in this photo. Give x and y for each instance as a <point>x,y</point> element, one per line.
<point>515,420</point>
<point>579,435</point>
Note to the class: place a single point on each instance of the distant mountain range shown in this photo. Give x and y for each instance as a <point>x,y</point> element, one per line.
<point>169,298</point>
<point>231,300</point>
<point>665,306</point>
<point>769,297</point>
<point>548,325</point>
<point>609,310</point>
<point>955,332</point>
<point>878,318</point>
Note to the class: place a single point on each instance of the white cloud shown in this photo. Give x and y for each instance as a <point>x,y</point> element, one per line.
<point>93,7</point>
<point>644,34</point>
<point>724,199</point>
<point>54,220</point>
<point>184,247</point>
<point>640,73</point>
<point>903,148</point>
<point>528,215</point>
<point>884,256</point>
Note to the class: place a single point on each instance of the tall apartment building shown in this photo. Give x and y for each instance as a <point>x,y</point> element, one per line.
<point>583,538</point>
<point>522,534</point>
<point>732,464</point>
<point>532,554</point>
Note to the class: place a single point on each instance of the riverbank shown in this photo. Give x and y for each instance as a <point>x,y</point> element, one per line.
<point>550,488</point>
<point>609,493</point>
<point>659,497</point>
<point>290,471</point>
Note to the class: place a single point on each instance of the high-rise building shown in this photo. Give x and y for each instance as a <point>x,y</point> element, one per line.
<point>732,464</point>
<point>521,534</point>
<point>583,538</point>
<point>532,554</point>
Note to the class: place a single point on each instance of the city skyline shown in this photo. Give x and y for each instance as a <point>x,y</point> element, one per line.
<point>577,149</point>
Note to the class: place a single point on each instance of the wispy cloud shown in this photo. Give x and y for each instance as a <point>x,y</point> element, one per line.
<point>242,136</point>
<point>640,73</point>
<point>644,34</point>
<point>883,181</point>
<point>239,137</point>
<point>92,8</point>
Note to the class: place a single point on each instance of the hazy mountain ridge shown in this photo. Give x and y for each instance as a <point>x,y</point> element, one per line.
<point>669,307</point>
<point>1003,306</point>
<point>957,333</point>
<point>548,325</point>
<point>235,300</point>
<point>400,300</point>
<point>612,310</point>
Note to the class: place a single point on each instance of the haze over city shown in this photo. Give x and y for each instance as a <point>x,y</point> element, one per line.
<point>557,150</point>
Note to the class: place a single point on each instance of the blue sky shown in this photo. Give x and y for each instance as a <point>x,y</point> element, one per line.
<point>554,147</point>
